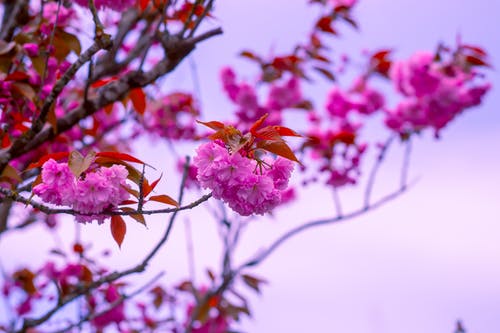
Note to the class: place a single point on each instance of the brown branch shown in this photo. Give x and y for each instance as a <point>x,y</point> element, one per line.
<point>53,211</point>
<point>90,316</point>
<point>15,14</point>
<point>177,49</point>
<point>28,323</point>
<point>20,144</point>
<point>375,168</point>
<point>349,216</point>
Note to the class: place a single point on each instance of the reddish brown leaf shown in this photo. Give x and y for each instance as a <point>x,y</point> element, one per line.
<point>325,24</point>
<point>475,49</point>
<point>17,76</point>
<point>128,202</point>
<point>279,148</point>
<point>253,282</point>
<point>151,187</point>
<point>138,99</point>
<point>252,56</point>
<point>55,156</point>
<point>215,125</point>
<point>138,217</point>
<point>325,72</point>
<point>476,61</point>
<point>25,278</point>
<point>118,229</point>
<point>24,89</point>
<point>103,82</point>
<point>119,156</point>
<point>52,118</point>
<point>257,124</point>
<point>267,133</point>
<point>345,137</point>
<point>11,172</point>
<point>78,248</point>
<point>163,198</point>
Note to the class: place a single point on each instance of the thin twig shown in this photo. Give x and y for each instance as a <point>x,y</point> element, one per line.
<point>28,323</point>
<point>90,316</point>
<point>52,211</point>
<point>312,224</point>
<point>375,168</point>
<point>406,163</point>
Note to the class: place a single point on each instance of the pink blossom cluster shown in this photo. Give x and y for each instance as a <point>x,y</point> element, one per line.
<point>54,14</point>
<point>102,189</point>
<point>116,315</point>
<point>172,117</point>
<point>116,5</point>
<point>244,95</point>
<point>246,187</point>
<point>359,98</point>
<point>338,153</point>
<point>434,94</point>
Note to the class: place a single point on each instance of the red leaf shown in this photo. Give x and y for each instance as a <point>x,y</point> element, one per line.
<point>325,24</point>
<point>163,198</point>
<point>143,4</point>
<point>138,100</point>
<point>118,229</point>
<point>279,148</point>
<point>476,61</point>
<point>253,282</point>
<point>128,202</point>
<point>103,82</point>
<point>215,125</point>
<point>328,74</point>
<point>151,187</point>
<point>5,141</point>
<point>345,137</point>
<point>285,131</point>
<point>17,76</point>
<point>55,156</point>
<point>11,172</point>
<point>119,156</point>
<point>252,56</point>
<point>257,124</point>
<point>138,217</point>
<point>475,49</point>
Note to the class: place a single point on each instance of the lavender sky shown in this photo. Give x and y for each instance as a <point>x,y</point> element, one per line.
<point>428,258</point>
<point>416,265</point>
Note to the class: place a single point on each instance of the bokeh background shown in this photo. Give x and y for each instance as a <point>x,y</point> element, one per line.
<point>418,264</point>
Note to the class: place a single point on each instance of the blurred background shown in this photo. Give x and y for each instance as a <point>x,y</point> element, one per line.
<point>417,264</point>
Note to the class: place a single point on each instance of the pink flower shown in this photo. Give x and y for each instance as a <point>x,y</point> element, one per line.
<point>100,190</point>
<point>117,5</point>
<point>237,180</point>
<point>31,49</point>
<point>338,103</point>
<point>280,172</point>
<point>343,3</point>
<point>58,183</point>
<point>435,93</point>
<point>115,315</point>
<point>285,96</point>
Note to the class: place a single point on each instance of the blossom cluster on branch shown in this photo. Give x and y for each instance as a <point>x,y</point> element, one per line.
<point>72,102</point>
